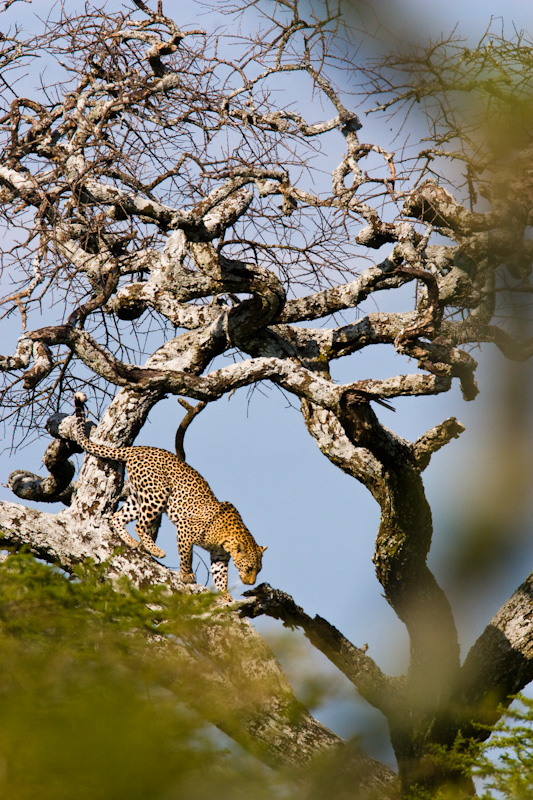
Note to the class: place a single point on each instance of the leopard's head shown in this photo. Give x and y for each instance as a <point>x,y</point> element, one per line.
<point>247,555</point>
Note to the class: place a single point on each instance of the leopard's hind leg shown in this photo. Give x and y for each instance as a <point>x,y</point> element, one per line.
<point>148,519</point>
<point>126,513</point>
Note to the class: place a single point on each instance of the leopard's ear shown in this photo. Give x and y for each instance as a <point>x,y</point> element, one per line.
<point>262,548</point>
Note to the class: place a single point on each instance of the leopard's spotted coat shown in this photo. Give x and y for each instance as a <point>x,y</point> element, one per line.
<point>160,481</point>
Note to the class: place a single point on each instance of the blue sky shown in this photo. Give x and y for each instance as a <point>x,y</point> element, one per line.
<point>318,523</point>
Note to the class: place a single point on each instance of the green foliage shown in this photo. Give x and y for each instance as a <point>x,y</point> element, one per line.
<point>100,689</point>
<point>105,689</point>
<point>502,766</point>
<point>84,708</point>
<point>506,763</point>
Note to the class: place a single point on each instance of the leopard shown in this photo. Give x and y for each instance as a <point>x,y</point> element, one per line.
<point>161,482</point>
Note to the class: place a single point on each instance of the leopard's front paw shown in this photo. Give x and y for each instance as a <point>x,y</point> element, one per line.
<point>187,577</point>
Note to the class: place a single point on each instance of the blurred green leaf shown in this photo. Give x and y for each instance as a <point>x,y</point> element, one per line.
<point>83,708</point>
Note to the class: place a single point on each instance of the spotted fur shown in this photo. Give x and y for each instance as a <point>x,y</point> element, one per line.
<point>160,481</point>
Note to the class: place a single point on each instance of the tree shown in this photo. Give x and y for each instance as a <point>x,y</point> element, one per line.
<point>175,211</point>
